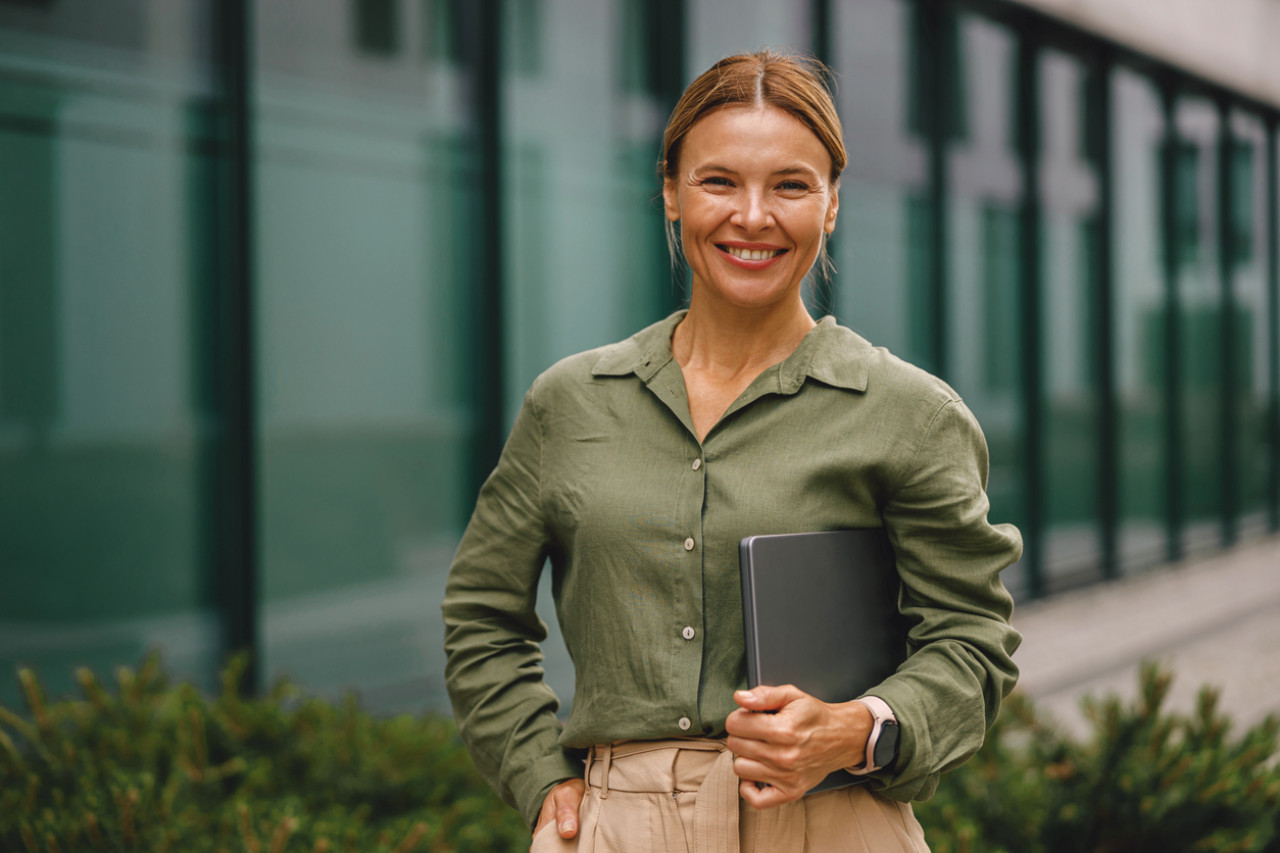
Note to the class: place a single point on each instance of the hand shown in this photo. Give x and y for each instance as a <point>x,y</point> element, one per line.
<point>561,806</point>
<point>794,748</point>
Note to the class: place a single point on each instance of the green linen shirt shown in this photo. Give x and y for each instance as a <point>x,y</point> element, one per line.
<point>603,474</point>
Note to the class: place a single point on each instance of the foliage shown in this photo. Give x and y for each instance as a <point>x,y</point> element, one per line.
<point>149,765</point>
<point>1145,780</point>
<point>153,766</point>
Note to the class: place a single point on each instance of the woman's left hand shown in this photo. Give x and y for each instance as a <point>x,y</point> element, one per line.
<point>788,740</point>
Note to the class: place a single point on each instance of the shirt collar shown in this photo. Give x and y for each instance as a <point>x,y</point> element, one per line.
<point>829,353</point>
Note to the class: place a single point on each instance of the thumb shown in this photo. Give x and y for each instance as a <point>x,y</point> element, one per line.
<point>567,800</point>
<point>766,698</point>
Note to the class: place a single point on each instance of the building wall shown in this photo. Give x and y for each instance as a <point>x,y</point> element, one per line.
<point>1084,248</point>
<point>1231,42</point>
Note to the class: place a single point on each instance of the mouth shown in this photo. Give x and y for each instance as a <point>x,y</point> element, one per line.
<point>750,254</point>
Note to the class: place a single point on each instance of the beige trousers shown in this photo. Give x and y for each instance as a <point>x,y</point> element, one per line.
<point>669,796</point>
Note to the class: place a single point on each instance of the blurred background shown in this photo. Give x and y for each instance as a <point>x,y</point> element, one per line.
<point>274,277</point>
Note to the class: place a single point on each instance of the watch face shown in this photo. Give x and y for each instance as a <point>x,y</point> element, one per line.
<point>886,749</point>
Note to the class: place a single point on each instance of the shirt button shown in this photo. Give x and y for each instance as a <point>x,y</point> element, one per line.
<point>697,463</point>
<point>688,633</point>
<point>684,724</point>
<point>688,544</point>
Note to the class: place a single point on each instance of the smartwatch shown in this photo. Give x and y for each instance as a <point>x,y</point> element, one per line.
<point>882,743</point>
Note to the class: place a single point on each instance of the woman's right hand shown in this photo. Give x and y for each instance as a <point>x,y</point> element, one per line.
<point>561,806</point>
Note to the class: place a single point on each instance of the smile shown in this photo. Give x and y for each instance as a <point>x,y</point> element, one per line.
<point>750,254</point>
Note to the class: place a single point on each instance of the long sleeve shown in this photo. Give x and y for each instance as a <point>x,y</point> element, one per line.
<point>961,643</point>
<point>505,711</point>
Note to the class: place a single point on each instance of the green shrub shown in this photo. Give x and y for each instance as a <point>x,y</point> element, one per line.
<point>1146,781</point>
<point>153,766</point>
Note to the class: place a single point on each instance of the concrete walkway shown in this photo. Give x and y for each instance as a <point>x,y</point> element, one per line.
<point>1212,620</point>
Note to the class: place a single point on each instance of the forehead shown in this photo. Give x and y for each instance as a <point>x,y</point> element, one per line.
<point>753,135</point>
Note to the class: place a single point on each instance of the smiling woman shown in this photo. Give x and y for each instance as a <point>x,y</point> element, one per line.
<point>637,468</point>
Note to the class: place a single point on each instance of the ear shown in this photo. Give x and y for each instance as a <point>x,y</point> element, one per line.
<point>832,207</point>
<point>670,201</point>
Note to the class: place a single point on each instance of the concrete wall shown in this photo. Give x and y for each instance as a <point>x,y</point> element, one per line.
<point>1230,42</point>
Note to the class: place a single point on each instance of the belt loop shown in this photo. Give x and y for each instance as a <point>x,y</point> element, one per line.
<point>604,773</point>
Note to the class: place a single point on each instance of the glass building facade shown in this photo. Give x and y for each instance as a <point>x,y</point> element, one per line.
<point>274,277</point>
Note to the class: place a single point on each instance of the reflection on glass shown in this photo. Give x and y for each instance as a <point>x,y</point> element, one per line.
<point>1138,303</point>
<point>106,200</point>
<point>585,258</point>
<point>720,28</point>
<point>366,239</point>
<point>882,243</point>
<point>1070,200</point>
<point>984,262</point>
<point>1200,323</point>
<point>1250,396</point>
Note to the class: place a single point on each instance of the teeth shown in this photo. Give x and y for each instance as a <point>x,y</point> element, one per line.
<point>752,254</point>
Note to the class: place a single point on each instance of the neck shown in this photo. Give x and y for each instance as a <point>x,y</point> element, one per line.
<point>731,340</point>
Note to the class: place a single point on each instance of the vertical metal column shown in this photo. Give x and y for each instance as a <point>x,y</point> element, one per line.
<point>1029,325</point>
<point>488,373</point>
<point>1273,316</point>
<point>1230,390</point>
<point>1172,322</point>
<point>820,21</point>
<point>938,118</point>
<point>237,501</point>
<point>1099,101</point>
<point>828,290</point>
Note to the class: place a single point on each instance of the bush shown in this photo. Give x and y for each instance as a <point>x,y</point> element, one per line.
<point>150,766</point>
<point>1145,781</point>
<point>153,766</point>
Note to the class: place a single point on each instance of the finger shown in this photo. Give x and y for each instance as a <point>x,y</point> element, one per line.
<point>748,724</point>
<point>765,698</point>
<point>768,796</point>
<point>567,801</point>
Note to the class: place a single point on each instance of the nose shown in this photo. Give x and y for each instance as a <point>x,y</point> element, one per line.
<point>753,213</point>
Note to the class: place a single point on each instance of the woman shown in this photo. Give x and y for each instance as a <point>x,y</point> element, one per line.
<point>637,467</point>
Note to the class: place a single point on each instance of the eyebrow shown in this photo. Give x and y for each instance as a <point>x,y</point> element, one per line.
<point>789,170</point>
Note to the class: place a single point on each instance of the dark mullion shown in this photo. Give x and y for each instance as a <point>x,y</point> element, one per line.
<point>488,374</point>
<point>821,40</point>
<point>665,29</point>
<point>938,117</point>
<point>1099,101</point>
<point>1030,325</point>
<point>820,20</point>
<point>237,500</point>
<point>1230,371</point>
<point>1172,321</point>
<point>1273,316</point>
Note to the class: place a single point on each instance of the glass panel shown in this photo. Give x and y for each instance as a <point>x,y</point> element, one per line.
<point>720,28</point>
<point>984,260</point>
<point>1139,311</point>
<point>106,251</point>
<point>586,260</point>
<point>366,233</point>
<point>882,243</point>
<point>1072,437</point>
<point>1200,326</point>
<point>1250,396</point>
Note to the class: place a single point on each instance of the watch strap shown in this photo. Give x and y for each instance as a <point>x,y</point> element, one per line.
<point>884,734</point>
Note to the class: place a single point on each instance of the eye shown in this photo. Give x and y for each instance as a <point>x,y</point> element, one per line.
<point>793,186</point>
<point>717,181</point>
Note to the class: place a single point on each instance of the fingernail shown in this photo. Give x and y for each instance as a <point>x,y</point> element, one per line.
<point>747,694</point>
<point>567,826</point>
